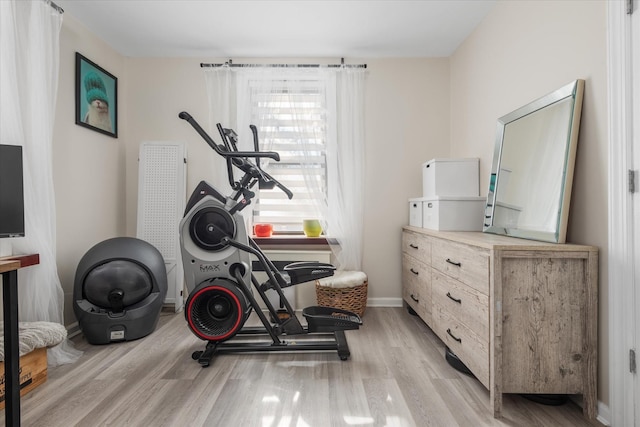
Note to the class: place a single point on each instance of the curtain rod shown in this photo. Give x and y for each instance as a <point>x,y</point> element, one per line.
<point>229,63</point>
<point>56,7</point>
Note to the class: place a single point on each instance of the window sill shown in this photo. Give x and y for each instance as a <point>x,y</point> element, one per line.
<point>291,241</point>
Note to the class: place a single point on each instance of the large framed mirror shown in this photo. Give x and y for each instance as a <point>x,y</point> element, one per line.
<point>532,172</point>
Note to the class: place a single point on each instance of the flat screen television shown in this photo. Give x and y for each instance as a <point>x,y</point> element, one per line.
<point>11,191</point>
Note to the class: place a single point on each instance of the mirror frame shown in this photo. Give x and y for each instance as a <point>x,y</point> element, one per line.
<point>575,91</point>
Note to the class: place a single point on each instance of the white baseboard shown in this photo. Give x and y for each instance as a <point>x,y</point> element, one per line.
<point>171,308</point>
<point>73,330</point>
<point>384,302</point>
<point>604,414</point>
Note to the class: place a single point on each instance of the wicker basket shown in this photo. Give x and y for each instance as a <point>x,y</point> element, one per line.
<point>352,299</point>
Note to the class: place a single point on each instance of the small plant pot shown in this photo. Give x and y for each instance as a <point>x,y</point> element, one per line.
<point>263,230</point>
<point>311,227</point>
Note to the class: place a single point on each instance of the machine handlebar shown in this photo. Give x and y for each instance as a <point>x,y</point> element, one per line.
<point>239,158</point>
<point>226,154</point>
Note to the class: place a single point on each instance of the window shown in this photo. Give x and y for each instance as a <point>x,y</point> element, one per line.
<point>314,117</point>
<point>292,119</point>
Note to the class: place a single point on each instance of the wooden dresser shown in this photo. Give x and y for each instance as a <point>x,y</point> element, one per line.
<point>520,314</point>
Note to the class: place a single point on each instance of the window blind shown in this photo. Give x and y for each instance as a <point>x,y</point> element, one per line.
<point>293,122</point>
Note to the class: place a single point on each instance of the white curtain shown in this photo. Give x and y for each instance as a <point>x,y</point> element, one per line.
<point>231,101</point>
<point>346,171</point>
<point>221,90</point>
<point>29,64</point>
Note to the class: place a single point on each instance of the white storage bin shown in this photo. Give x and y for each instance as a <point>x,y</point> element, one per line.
<point>415,212</point>
<point>453,213</point>
<point>451,177</point>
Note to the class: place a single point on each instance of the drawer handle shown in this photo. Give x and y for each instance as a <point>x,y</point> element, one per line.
<point>459,301</point>
<point>413,271</point>
<point>457,264</point>
<point>414,298</point>
<point>453,336</point>
<point>413,246</point>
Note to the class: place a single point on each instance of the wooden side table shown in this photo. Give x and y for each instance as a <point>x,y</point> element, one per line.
<point>9,267</point>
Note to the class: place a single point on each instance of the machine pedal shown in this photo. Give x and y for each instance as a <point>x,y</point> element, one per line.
<point>329,319</point>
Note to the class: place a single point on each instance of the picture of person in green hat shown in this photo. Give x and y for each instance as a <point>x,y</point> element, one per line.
<point>96,97</point>
<point>96,94</point>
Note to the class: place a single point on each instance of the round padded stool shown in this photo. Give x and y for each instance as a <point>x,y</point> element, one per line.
<point>346,290</point>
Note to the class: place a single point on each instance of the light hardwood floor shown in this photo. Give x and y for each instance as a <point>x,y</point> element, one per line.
<point>396,376</point>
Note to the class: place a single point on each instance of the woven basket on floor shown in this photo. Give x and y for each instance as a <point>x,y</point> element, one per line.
<point>347,298</point>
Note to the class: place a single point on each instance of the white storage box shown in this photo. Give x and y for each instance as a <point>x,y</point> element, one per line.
<point>453,213</point>
<point>451,177</point>
<point>415,212</point>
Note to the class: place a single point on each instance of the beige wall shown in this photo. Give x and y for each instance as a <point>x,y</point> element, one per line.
<point>523,50</point>
<point>88,167</point>
<point>160,90</point>
<point>407,104</point>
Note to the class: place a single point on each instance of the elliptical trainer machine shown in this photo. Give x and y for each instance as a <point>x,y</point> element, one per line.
<point>216,254</point>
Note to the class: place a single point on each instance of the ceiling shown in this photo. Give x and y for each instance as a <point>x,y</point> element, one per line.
<point>287,28</point>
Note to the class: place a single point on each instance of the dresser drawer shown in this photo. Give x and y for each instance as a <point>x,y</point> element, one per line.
<point>471,349</point>
<point>416,286</point>
<point>465,304</point>
<point>417,245</point>
<point>467,264</point>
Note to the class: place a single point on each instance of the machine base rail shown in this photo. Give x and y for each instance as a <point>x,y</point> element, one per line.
<point>337,343</point>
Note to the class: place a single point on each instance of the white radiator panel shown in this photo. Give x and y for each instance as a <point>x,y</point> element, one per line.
<point>161,203</point>
<point>304,294</point>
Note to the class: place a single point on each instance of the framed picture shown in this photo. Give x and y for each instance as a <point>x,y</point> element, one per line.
<point>96,97</point>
